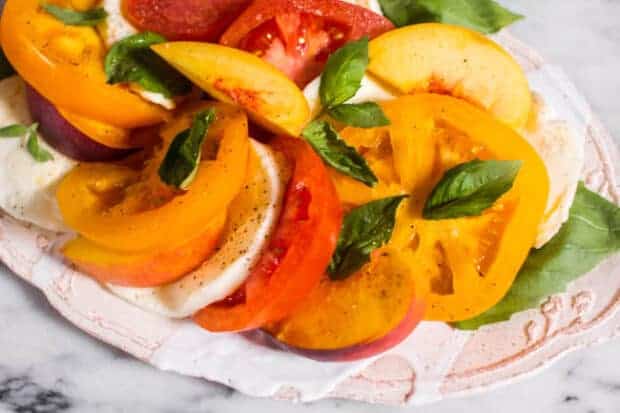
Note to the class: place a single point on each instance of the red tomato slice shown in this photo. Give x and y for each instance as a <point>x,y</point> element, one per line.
<point>297,255</point>
<point>297,36</point>
<point>184,19</point>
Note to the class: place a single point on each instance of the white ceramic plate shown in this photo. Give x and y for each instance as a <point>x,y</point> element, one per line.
<point>434,363</point>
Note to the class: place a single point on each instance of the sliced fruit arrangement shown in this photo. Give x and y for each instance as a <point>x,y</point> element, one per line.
<point>48,53</point>
<point>119,208</point>
<point>241,78</point>
<point>463,265</point>
<point>252,217</point>
<point>297,36</point>
<point>90,142</point>
<point>366,314</point>
<point>298,252</point>
<point>449,59</point>
<point>401,192</point>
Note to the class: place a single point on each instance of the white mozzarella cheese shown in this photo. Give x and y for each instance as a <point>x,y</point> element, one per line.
<point>564,155</point>
<point>116,26</point>
<point>27,187</point>
<point>252,218</point>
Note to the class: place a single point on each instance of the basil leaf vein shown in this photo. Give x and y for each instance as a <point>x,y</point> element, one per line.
<point>336,153</point>
<point>131,60</point>
<point>343,73</point>
<point>486,16</point>
<point>362,115</point>
<point>38,153</point>
<point>470,188</point>
<point>70,17</point>
<point>364,229</point>
<point>183,158</point>
<point>591,234</point>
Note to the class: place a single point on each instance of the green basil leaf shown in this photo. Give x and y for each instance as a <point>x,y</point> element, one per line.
<point>131,60</point>
<point>182,160</point>
<point>406,12</point>
<point>362,115</point>
<point>591,234</point>
<point>336,153</point>
<point>470,188</point>
<point>38,153</point>
<point>6,69</point>
<point>13,131</point>
<point>343,73</point>
<point>364,229</point>
<point>486,16</point>
<point>76,18</point>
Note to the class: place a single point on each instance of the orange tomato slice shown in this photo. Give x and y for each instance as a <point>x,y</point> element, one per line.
<point>461,267</point>
<point>123,209</point>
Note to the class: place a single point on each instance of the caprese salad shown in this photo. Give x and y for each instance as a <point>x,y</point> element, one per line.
<point>328,172</point>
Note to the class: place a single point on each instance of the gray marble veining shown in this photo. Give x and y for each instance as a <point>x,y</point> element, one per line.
<point>46,365</point>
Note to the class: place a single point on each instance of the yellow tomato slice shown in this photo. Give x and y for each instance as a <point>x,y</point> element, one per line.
<point>65,64</point>
<point>462,267</point>
<point>123,209</point>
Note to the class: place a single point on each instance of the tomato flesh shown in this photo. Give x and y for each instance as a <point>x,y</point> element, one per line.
<point>297,44</point>
<point>297,255</point>
<point>297,36</point>
<point>203,20</point>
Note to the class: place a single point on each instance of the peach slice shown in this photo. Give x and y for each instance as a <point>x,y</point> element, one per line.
<point>238,77</point>
<point>358,351</point>
<point>147,269</point>
<point>363,315</point>
<point>448,59</point>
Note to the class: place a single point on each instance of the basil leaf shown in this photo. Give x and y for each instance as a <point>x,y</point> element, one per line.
<point>405,12</point>
<point>13,131</point>
<point>76,18</point>
<point>6,69</point>
<point>485,16</point>
<point>343,73</point>
<point>470,188</point>
<point>38,153</point>
<point>362,115</point>
<point>131,60</point>
<point>364,229</point>
<point>182,160</point>
<point>591,234</point>
<point>336,153</point>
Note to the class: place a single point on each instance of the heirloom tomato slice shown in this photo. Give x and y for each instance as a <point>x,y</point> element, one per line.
<point>297,255</point>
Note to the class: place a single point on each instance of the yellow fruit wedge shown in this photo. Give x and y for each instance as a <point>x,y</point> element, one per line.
<point>448,59</point>
<point>241,78</point>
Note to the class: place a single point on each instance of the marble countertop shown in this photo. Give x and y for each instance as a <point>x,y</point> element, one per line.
<point>46,365</point>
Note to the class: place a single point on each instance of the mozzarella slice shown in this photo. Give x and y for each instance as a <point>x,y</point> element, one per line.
<point>370,91</point>
<point>117,27</point>
<point>27,187</point>
<point>564,155</point>
<point>252,218</point>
